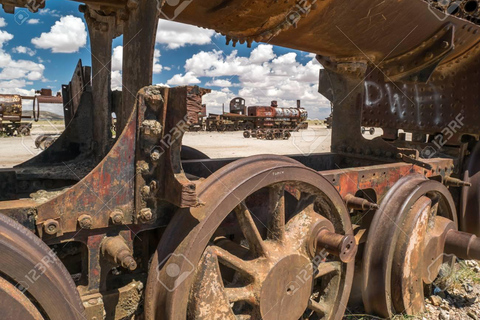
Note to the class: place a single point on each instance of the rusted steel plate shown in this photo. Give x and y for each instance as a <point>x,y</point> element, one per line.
<point>108,187</point>
<point>365,25</point>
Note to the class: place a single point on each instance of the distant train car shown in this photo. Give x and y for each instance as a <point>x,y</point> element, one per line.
<point>242,117</point>
<point>11,115</point>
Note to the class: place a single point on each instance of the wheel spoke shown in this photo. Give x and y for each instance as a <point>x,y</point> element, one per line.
<point>276,224</point>
<point>210,288</point>
<point>250,230</point>
<point>325,268</point>
<point>318,307</point>
<point>241,294</point>
<point>231,261</point>
<point>306,200</point>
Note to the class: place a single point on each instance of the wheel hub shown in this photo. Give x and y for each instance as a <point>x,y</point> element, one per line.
<point>286,289</point>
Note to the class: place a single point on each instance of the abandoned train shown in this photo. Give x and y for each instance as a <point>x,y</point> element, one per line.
<point>242,117</point>
<point>139,226</point>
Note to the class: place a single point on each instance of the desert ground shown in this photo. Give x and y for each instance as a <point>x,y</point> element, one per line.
<point>316,139</point>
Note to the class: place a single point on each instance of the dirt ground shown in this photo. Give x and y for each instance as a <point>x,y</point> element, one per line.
<point>316,139</point>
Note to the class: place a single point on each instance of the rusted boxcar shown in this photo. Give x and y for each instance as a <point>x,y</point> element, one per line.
<point>137,225</point>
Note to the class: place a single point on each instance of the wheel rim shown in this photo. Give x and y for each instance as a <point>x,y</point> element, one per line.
<point>397,257</point>
<point>33,279</point>
<point>15,305</point>
<point>264,270</point>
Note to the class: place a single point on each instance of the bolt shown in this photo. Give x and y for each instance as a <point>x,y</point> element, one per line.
<point>85,221</point>
<point>155,155</point>
<point>146,214</point>
<point>153,185</point>
<point>93,301</point>
<point>51,226</point>
<point>445,44</point>
<point>146,191</point>
<point>117,217</point>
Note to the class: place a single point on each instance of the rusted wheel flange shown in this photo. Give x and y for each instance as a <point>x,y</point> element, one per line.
<point>404,249</point>
<point>252,250</point>
<point>34,284</point>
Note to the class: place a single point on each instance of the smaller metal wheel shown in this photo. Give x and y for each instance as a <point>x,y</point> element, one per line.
<point>246,134</point>
<point>406,245</point>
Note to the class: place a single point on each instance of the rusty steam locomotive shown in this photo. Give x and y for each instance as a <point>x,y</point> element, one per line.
<point>242,117</point>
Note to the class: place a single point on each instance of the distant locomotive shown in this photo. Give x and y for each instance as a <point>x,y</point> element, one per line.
<point>11,115</point>
<point>242,117</point>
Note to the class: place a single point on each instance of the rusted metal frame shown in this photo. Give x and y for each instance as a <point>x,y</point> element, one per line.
<point>139,32</point>
<point>163,120</point>
<point>102,30</point>
<point>379,177</point>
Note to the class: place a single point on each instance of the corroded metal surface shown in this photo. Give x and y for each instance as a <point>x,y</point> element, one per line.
<point>34,269</point>
<point>406,235</point>
<point>274,227</point>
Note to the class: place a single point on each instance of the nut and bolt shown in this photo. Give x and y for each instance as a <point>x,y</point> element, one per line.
<point>117,217</point>
<point>85,221</point>
<point>155,155</point>
<point>51,226</point>
<point>153,185</point>
<point>146,214</point>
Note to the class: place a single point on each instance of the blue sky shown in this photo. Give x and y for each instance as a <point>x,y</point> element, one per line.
<point>41,50</point>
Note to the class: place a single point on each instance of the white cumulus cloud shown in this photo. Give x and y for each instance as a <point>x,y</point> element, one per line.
<point>219,83</point>
<point>25,50</point>
<point>68,35</point>
<point>176,35</point>
<point>16,74</point>
<point>262,77</point>
<point>33,21</point>
<point>183,80</point>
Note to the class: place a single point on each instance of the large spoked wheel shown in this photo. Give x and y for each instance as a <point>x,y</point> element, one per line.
<point>405,245</point>
<point>268,243</point>
<point>34,284</point>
